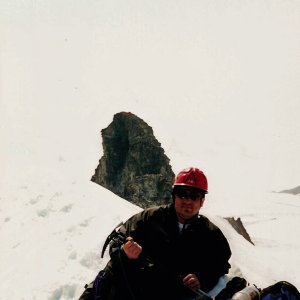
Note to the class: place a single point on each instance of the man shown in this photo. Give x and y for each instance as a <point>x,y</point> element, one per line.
<point>168,252</point>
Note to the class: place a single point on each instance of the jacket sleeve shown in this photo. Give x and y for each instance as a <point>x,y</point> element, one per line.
<point>219,260</point>
<point>133,227</point>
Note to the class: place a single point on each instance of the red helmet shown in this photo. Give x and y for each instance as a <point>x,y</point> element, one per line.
<point>192,177</point>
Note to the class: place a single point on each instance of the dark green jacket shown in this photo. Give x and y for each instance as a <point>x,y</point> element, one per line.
<point>168,255</point>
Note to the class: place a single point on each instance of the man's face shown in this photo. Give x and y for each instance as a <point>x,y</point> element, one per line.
<point>187,203</point>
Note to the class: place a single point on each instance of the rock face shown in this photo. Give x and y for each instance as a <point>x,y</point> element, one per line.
<point>133,164</point>
<point>294,191</point>
<point>239,227</point>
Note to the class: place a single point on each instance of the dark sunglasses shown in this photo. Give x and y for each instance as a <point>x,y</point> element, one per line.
<point>184,194</point>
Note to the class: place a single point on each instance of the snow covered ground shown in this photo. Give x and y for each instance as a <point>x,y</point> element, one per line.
<point>52,232</point>
<point>219,84</point>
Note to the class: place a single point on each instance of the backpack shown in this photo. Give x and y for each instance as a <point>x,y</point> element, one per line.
<point>92,290</point>
<point>281,290</point>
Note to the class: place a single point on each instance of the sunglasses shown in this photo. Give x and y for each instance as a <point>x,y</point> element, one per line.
<point>184,194</point>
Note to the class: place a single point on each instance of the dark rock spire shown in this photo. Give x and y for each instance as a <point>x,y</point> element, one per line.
<point>134,165</point>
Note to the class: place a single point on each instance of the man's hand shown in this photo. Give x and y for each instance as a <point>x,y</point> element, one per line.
<point>132,249</point>
<point>191,281</point>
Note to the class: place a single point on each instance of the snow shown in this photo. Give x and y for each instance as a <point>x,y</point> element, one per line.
<point>53,240</point>
<point>220,89</point>
<point>52,236</point>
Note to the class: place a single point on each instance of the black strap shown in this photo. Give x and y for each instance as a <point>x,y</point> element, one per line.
<point>125,276</point>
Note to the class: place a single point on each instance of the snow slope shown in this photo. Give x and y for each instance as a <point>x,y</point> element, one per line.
<point>52,235</point>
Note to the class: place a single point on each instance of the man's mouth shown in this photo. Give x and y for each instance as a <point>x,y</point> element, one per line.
<point>186,207</point>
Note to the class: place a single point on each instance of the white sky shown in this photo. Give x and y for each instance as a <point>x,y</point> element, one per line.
<point>221,76</point>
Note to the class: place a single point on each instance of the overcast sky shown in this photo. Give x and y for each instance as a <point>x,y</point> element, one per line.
<point>216,77</point>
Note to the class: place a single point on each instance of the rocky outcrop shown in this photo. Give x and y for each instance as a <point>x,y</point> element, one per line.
<point>238,225</point>
<point>294,191</point>
<point>134,165</point>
